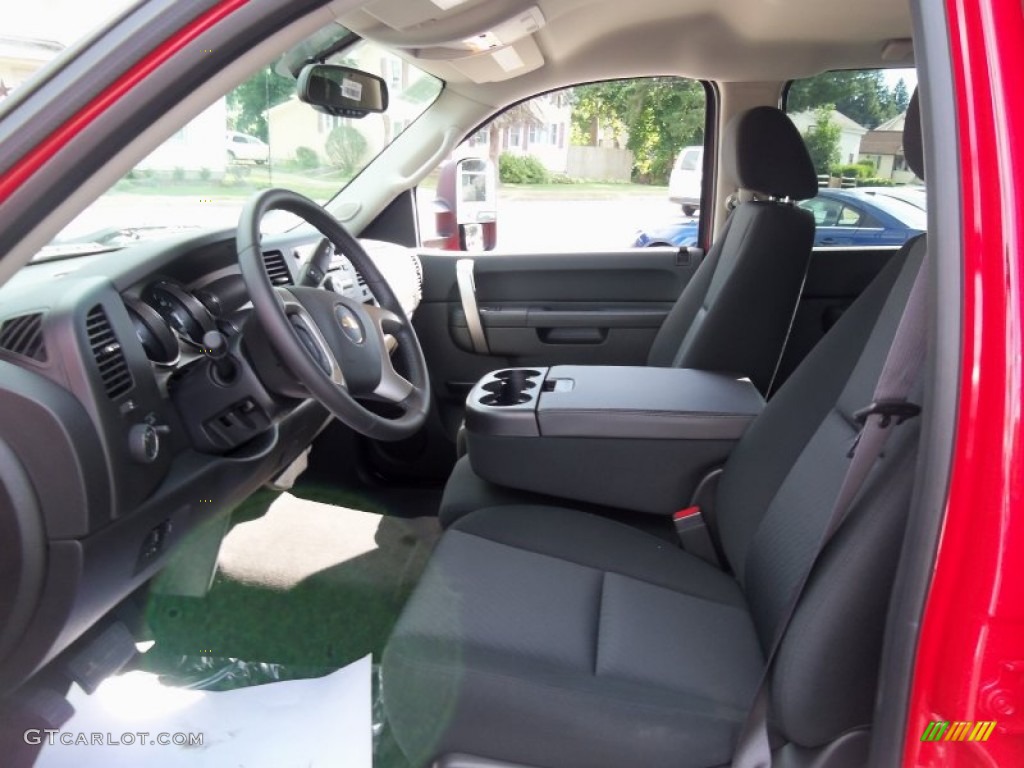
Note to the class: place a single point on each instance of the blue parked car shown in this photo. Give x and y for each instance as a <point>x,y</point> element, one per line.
<point>852,217</point>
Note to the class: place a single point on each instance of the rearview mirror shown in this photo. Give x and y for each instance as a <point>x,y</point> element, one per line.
<point>342,91</point>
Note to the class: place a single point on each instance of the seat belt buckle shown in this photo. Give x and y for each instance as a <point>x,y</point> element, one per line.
<point>694,537</point>
<point>901,410</point>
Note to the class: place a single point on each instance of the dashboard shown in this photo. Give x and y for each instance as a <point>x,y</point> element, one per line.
<point>115,439</point>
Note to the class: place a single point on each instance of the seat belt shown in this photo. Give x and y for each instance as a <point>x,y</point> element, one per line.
<point>889,408</point>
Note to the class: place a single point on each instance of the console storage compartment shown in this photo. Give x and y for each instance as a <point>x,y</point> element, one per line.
<point>636,438</point>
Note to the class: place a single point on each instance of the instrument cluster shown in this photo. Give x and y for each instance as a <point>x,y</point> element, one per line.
<point>164,316</point>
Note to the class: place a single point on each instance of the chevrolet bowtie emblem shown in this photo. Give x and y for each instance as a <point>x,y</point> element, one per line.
<point>349,324</point>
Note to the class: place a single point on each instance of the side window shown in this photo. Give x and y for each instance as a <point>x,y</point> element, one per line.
<point>690,160</point>
<point>826,212</point>
<point>852,122</point>
<point>850,217</point>
<point>599,167</point>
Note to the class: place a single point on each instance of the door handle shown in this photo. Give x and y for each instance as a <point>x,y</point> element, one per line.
<point>572,335</point>
<point>467,293</point>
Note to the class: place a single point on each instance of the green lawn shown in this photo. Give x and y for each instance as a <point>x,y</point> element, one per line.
<point>238,182</point>
<point>584,190</point>
<point>242,181</point>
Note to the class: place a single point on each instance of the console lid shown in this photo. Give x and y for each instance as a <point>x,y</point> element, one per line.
<point>651,403</point>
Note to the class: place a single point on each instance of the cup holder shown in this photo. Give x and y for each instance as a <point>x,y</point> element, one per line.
<point>517,373</point>
<point>504,399</point>
<point>510,387</point>
<point>496,387</point>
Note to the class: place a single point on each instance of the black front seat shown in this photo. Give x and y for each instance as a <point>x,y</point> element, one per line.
<point>735,314</point>
<point>543,636</point>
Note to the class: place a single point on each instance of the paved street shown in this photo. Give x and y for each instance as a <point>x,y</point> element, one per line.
<point>578,225</point>
<point>524,224</point>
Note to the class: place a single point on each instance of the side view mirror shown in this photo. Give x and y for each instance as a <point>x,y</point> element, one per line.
<point>466,206</point>
<point>342,91</point>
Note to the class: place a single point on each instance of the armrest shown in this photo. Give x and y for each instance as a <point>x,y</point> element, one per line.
<point>630,437</point>
<point>651,403</point>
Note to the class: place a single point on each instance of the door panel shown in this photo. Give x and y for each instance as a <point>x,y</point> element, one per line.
<point>539,330</point>
<point>544,309</point>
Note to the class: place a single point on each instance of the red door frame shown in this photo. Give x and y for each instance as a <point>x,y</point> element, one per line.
<point>970,662</point>
<point>51,144</point>
<point>970,657</point>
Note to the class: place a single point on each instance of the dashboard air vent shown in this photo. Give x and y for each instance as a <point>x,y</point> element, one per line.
<point>23,336</point>
<point>359,277</point>
<point>106,349</point>
<point>277,268</point>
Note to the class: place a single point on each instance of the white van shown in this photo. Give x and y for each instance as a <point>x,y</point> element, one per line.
<point>245,148</point>
<point>684,183</point>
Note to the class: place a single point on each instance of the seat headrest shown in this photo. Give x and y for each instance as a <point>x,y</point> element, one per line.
<point>764,152</point>
<point>913,148</point>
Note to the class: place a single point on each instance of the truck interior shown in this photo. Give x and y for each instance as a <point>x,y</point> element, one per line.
<point>302,444</point>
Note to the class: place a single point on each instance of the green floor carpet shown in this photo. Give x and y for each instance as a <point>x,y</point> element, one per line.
<point>302,587</point>
<point>304,583</point>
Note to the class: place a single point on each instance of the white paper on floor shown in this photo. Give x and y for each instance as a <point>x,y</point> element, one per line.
<point>318,723</point>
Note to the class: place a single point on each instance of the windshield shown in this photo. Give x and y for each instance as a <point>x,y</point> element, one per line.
<point>257,136</point>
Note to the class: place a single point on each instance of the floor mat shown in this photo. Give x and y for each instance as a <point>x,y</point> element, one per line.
<point>393,502</point>
<point>306,583</point>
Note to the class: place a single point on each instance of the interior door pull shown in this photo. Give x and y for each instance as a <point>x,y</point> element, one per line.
<point>467,293</point>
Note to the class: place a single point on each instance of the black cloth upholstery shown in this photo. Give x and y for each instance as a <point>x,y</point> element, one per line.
<point>467,492</point>
<point>913,145</point>
<point>735,313</point>
<point>551,637</point>
<point>774,498</point>
<point>764,152</point>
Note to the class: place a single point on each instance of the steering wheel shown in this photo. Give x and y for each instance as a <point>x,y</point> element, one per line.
<point>336,347</point>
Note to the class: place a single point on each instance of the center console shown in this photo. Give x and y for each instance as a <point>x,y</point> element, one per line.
<point>635,438</point>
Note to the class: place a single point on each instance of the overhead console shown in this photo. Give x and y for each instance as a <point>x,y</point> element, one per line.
<point>582,432</point>
<point>478,42</point>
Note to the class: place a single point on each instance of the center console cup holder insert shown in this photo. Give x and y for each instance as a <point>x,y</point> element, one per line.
<point>517,373</point>
<point>510,387</point>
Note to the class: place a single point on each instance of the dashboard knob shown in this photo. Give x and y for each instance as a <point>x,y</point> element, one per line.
<point>144,442</point>
<point>215,347</point>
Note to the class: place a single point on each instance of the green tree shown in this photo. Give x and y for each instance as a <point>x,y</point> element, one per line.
<point>861,95</point>
<point>661,115</point>
<point>249,102</point>
<point>345,148</point>
<point>822,140</point>
<point>900,97</point>
<point>523,114</point>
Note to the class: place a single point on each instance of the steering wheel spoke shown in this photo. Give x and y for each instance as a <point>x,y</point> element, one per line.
<point>393,387</point>
<point>309,336</point>
<point>387,321</point>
